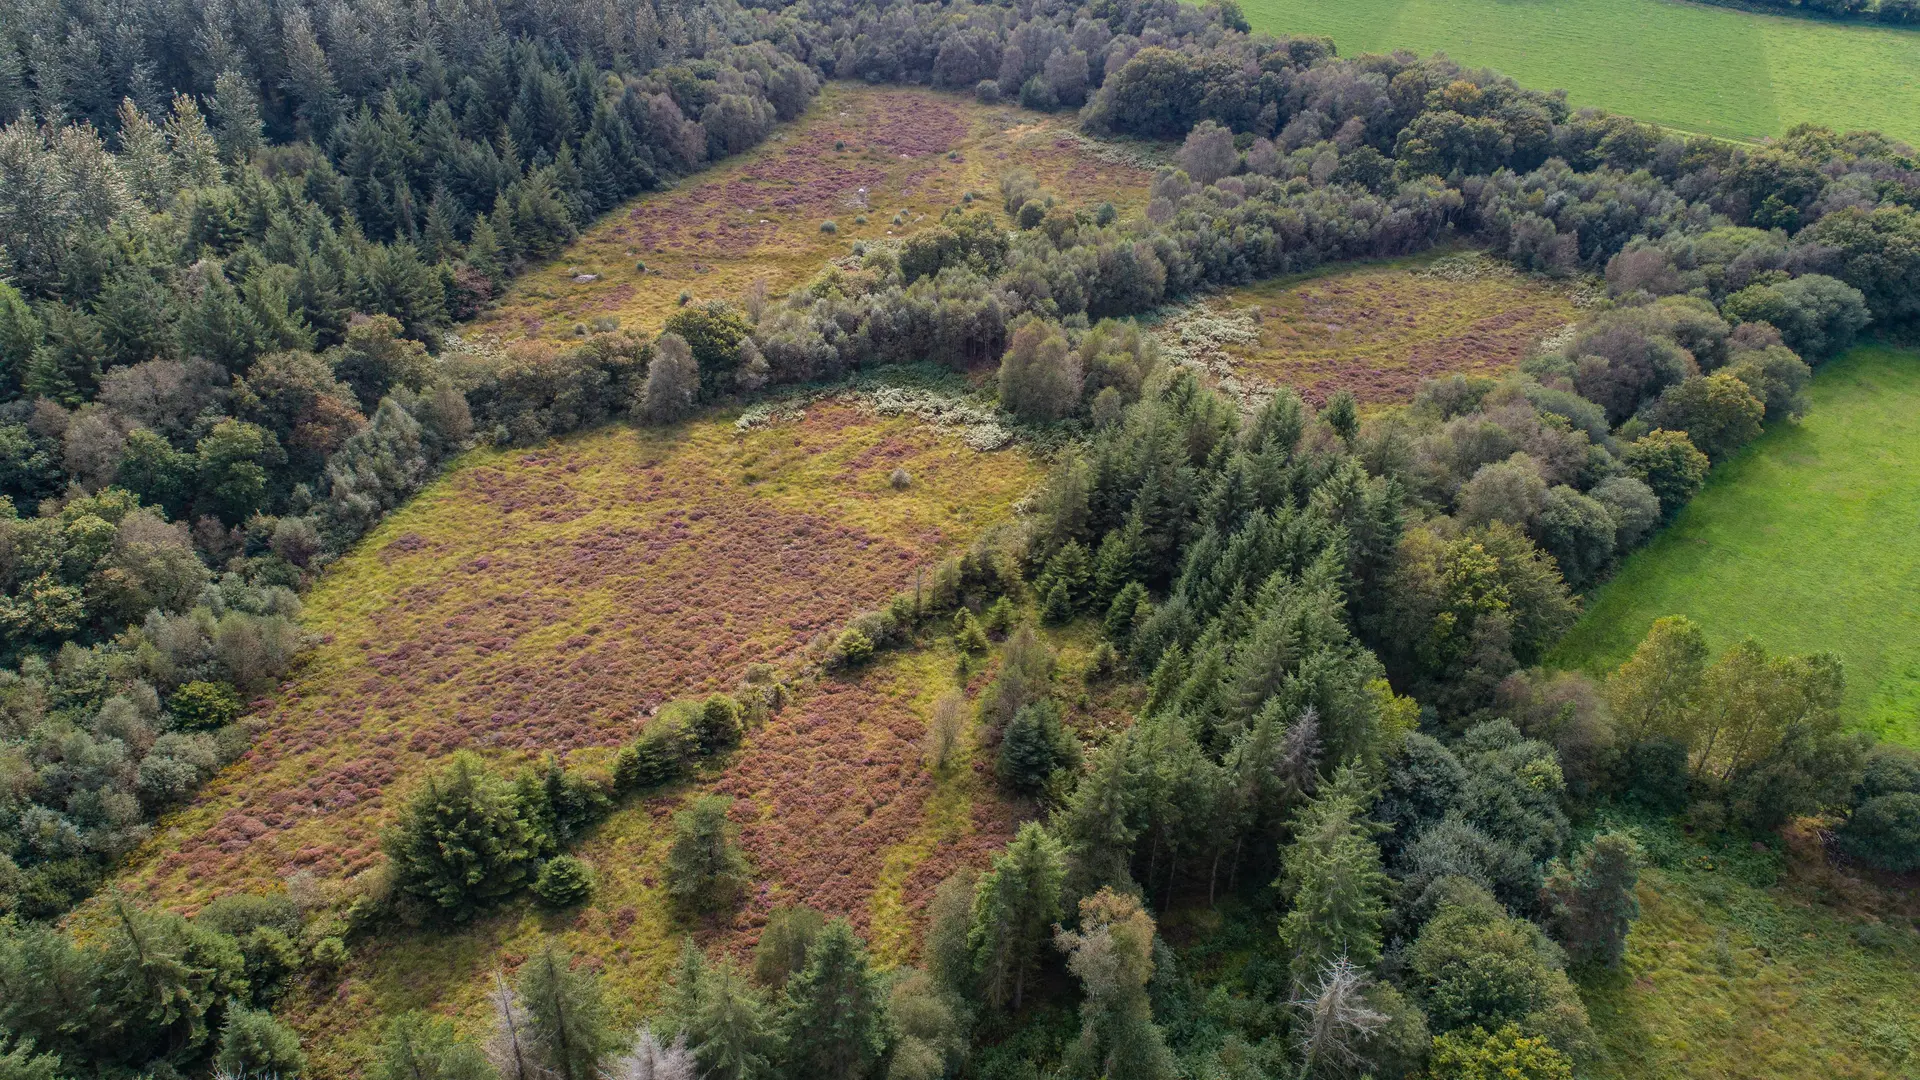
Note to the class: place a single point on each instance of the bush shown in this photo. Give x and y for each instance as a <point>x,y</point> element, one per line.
<point>659,755</point>
<point>253,1043</point>
<point>1506,1054</point>
<point>563,882</point>
<point>851,650</point>
<point>719,723</point>
<point>201,705</point>
<point>1884,831</point>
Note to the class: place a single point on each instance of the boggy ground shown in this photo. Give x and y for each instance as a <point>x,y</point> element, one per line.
<point>898,157</point>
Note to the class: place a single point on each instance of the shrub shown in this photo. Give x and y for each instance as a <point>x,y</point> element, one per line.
<point>253,1043</point>
<point>828,226</point>
<point>659,755</point>
<point>201,705</point>
<point>900,479</point>
<point>563,882</point>
<point>1506,1054</point>
<point>1884,831</point>
<point>851,650</point>
<point>330,954</point>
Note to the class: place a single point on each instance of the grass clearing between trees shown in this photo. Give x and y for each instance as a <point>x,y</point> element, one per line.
<point>1728,975</point>
<point>878,162</point>
<point>1704,69</point>
<point>1806,540</point>
<point>1378,330</point>
<point>535,600</point>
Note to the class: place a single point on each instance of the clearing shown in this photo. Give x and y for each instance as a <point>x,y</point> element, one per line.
<point>544,600</point>
<point>897,157</point>
<point>1806,541</point>
<point>1697,68</point>
<point>1738,969</point>
<point>1377,331</point>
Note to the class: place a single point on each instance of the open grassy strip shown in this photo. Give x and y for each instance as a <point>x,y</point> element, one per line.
<point>1806,541</point>
<point>541,600</point>
<point>1727,978</point>
<point>897,157</point>
<point>1377,331</point>
<point>1704,69</point>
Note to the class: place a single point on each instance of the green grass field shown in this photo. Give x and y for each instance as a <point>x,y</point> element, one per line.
<point>1808,540</point>
<point>1702,69</point>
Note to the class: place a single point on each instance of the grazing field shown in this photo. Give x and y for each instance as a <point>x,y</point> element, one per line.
<point>1377,331</point>
<point>1704,69</point>
<point>1727,975</point>
<point>896,157</point>
<point>1806,541</point>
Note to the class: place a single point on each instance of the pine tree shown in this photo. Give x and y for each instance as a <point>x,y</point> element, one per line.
<point>836,1024</point>
<point>568,1016</point>
<point>144,157</point>
<point>1013,906</point>
<point>162,981</point>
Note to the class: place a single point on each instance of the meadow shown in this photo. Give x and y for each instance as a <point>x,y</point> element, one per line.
<point>1805,541</point>
<point>1377,331</point>
<point>1759,964</point>
<point>877,162</point>
<point>1702,69</point>
<point>547,600</point>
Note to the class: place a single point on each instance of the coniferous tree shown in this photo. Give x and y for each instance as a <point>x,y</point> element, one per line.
<point>460,843</point>
<point>421,1047</point>
<point>836,1025</point>
<point>1033,747</point>
<point>567,1013</point>
<point>1333,880</point>
<point>731,1031</point>
<point>705,870</point>
<point>1013,906</point>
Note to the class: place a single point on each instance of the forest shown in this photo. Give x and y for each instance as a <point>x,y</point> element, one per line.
<point>239,236</point>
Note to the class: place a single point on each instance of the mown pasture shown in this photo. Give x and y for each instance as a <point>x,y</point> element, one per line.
<point>1711,70</point>
<point>1805,541</point>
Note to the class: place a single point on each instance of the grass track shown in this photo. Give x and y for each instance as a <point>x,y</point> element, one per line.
<point>1704,69</point>
<point>1806,541</point>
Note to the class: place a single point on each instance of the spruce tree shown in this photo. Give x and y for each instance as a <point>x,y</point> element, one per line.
<point>567,1014</point>
<point>417,1046</point>
<point>1332,878</point>
<point>836,1024</point>
<point>1013,906</point>
<point>460,843</point>
<point>1033,747</point>
<point>730,1032</point>
<point>705,870</point>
